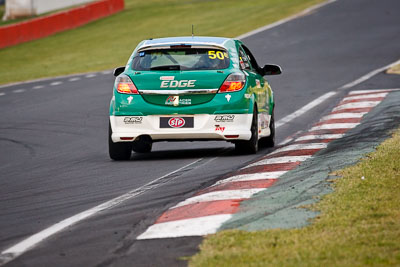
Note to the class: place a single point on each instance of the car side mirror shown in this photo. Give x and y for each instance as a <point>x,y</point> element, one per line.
<point>271,70</point>
<point>118,71</point>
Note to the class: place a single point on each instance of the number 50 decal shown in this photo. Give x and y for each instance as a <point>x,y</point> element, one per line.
<point>217,54</point>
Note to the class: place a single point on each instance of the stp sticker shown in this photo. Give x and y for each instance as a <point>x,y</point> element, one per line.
<point>133,120</point>
<point>176,122</point>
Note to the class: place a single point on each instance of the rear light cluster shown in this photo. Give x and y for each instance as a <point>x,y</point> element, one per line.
<point>234,82</point>
<point>125,85</point>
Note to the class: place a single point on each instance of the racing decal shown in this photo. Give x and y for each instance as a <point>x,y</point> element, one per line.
<point>242,65</point>
<point>176,101</point>
<point>217,55</point>
<point>263,119</point>
<point>175,83</point>
<point>247,95</point>
<point>258,83</point>
<point>228,97</point>
<point>176,122</point>
<point>219,128</point>
<point>130,98</point>
<point>172,101</point>
<point>167,78</point>
<point>224,118</point>
<point>133,120</point>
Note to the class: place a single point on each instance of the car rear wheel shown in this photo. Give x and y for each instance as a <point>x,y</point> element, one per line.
<point>142,144</point>
<point>250,146</point>
<point>269,141</point>
<point>118,151</point>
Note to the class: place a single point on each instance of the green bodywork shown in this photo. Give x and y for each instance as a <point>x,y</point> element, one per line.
<point>240,102</point>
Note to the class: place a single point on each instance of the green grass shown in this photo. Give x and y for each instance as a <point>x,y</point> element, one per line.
<point>107,43</point>
<point>359,224</point>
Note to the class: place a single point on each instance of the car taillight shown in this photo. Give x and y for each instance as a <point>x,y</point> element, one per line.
<point>234,82</point>
<point>125,85</point>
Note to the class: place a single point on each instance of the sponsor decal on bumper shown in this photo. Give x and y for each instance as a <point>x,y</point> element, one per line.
<point>133,120</point>
<point>198,126</point>
<point>224,118</point>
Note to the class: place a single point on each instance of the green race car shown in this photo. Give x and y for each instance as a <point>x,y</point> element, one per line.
<point>191,88</point>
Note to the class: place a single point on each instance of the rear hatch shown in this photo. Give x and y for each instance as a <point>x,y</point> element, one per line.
<point>179,76</point>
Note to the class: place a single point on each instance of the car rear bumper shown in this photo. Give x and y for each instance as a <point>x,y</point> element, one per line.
<point>227,127</point>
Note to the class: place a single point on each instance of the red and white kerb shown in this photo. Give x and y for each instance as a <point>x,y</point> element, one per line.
<point>205,212</point>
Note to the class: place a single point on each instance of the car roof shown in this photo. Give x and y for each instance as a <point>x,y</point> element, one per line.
<point>186,40</point>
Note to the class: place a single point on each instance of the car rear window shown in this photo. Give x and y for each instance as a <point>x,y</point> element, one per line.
<point>181,59</point>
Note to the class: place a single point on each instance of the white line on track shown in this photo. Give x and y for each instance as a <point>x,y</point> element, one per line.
<point>304,109</point>
<point>73,79</point>
<point>56,83</point>
<point>91,75</point>
<point>28,243</point>
<point>331,126</point>
<point>287,140</point>
<point>37,87</point>
<point>368,76</point>
<point>1,94</point>
<point>252,177</point>
<point>277,160</point>
<point>324,97</point>
<point>220,195</point>
<point>319,136</point>
<point>18,91</point>
<point>188,227</point>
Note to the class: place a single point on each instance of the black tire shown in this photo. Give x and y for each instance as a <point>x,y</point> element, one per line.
<point>142,144</point>
<point>269,141</point>
<point>118,151</point>
<point>250,146</point>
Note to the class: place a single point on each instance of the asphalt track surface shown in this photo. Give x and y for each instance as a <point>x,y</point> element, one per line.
<point>53,138</point>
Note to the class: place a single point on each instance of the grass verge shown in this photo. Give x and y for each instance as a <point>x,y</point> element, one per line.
<point>107,43</point>
<point>359,224</point>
